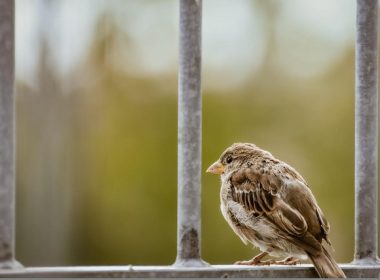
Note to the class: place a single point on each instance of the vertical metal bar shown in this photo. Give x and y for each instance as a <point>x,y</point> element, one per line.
<point>7,136</point>
<point>366,139</point>
<point>189,135</point>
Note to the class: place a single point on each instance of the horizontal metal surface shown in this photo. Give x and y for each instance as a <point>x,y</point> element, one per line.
<point>215,271</point>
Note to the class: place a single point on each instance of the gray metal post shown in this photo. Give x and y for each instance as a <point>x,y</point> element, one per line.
<point>366,133</point>
<point>7,136</point>
<point>189,135</point>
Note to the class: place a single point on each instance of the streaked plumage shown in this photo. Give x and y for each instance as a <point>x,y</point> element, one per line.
<point>268,203</point>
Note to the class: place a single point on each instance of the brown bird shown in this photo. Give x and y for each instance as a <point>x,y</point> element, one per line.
<point>268,203</point>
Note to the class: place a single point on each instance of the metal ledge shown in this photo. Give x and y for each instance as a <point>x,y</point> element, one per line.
<point>214,271</point>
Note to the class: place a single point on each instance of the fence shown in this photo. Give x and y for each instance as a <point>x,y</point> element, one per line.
<point>189,262</point>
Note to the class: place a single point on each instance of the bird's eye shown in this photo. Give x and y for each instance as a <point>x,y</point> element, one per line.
<point>229,159</point>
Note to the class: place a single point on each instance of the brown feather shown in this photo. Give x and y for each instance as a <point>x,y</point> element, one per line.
<point>276,200</point>
<point>326,266</point>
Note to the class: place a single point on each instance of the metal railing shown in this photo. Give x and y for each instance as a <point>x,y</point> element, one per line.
<point>366,132</point>
<point>7,135</point>
<point>189,135</point>
<point>189,262</point>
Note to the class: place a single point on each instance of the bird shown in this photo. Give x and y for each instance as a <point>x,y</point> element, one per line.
<point>269,204</point>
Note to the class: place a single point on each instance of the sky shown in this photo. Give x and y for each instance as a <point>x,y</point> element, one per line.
<point>309,34</point>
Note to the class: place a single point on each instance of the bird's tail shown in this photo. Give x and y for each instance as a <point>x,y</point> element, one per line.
<point>326,266</point>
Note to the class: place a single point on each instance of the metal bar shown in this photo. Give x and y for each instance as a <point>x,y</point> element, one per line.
<point>7,136</point>
<point>189,135</point>
<point>217,271</point>
<point>366,139</point>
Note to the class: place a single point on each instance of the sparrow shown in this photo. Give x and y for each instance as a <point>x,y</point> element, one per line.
<point>268,203</point>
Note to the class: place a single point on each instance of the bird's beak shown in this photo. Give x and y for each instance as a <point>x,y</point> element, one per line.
<point>216,168</point>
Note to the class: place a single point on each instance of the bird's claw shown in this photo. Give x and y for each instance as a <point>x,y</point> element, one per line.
<point>253,262</point>
<point>287,261</point>
<point>258,262</point>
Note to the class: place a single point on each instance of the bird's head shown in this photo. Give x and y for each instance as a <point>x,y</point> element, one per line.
<point>234,157</point>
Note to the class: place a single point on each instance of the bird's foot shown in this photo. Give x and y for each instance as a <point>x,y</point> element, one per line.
<point>256,260</point>
<point>253,262</point>
<point>287,261</point>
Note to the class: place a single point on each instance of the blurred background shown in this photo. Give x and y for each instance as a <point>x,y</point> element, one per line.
<point>97,120</point>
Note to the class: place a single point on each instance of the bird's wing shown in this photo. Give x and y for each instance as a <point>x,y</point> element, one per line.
<point>289,205</point>
<point>299,197</point>
<point>259,193</point>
